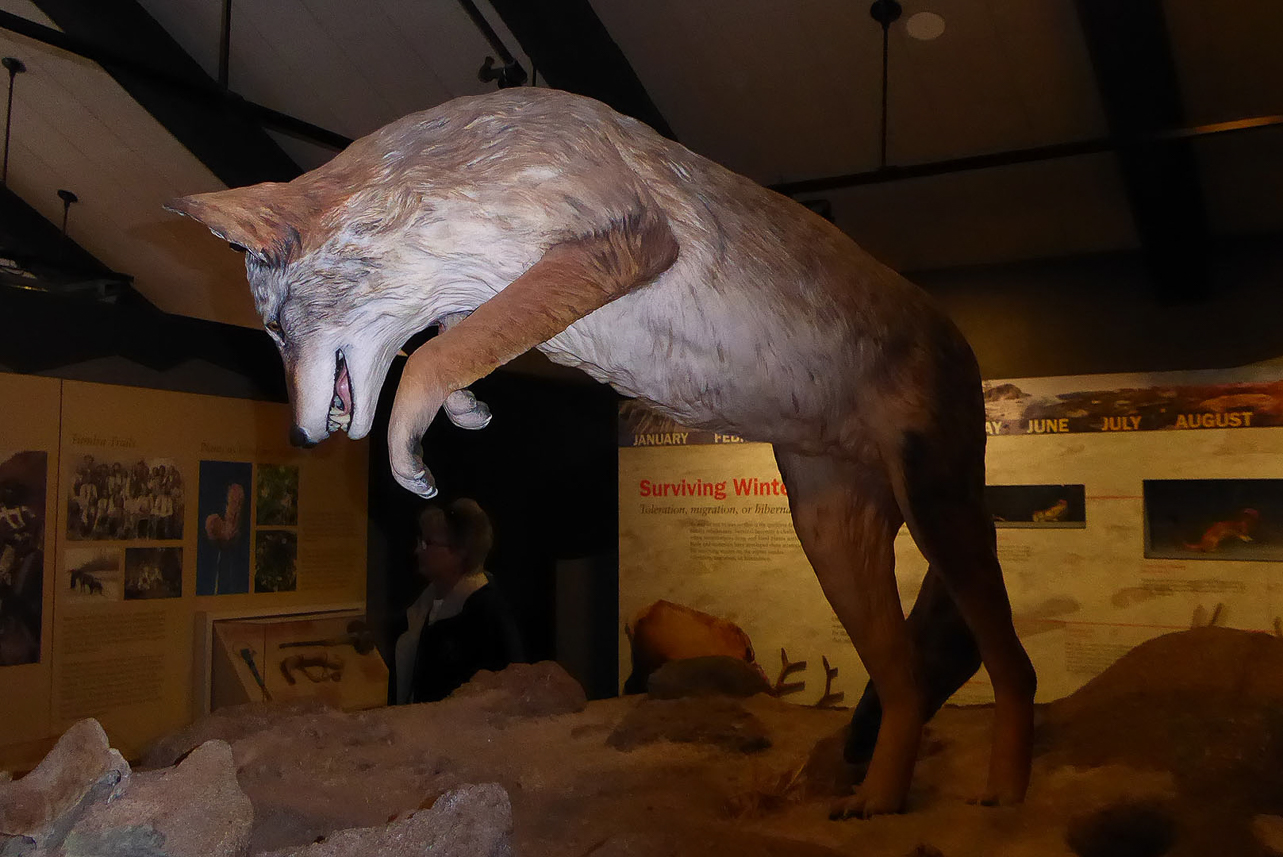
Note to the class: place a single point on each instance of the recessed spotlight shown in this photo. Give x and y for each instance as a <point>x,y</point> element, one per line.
<point>925,26</point>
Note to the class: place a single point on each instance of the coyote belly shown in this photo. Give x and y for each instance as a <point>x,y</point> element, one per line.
<point>533,218</point>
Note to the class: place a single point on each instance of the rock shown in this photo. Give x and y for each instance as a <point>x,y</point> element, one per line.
<point>527,690</point>
<point>471,821</point>
<point>80,770</point>
<point>226,724</point>
<point>714,720</point>
<point>1268,831</point>
<point>707,676</point>
<point>196,808</point>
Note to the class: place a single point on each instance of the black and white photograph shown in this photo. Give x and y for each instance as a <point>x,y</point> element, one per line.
<point>93,574</point>
<point>275,560</point>
<point>113,499</point>
<point>153,573</point>
<point>1214,519</point>
<point>1037,506</point>
<point>22,555</point>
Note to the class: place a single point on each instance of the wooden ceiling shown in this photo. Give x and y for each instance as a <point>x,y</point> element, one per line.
<point>778,91</point>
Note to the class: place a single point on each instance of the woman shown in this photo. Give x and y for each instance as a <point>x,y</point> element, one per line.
<point>459,625</point>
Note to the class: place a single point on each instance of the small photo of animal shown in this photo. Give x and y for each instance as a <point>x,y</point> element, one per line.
<point>1239,526</point>
<point>92,574</point>
<point>1037,505</point>
<point>1214,519</point>
<point>1057,511</point>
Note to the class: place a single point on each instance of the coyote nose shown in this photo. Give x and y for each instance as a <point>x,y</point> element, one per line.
<point>299,438</point>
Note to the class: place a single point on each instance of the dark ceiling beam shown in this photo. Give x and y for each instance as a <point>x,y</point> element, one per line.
<point>1140,92</point>
<point>34,243</point>
<point>571,49</point>
<point>1012,157</point>
<point>231,144</point>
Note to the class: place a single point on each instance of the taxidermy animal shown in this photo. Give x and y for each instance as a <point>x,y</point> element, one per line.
<point>1239,527</point>
<point>1055,512</point>
<point>534,218</point>
<point>664,631</point>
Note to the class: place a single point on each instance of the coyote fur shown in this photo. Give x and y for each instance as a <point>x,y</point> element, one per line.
<point>534,218</point>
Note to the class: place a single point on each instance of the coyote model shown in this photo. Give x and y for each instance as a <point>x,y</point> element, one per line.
<point>535,218</point>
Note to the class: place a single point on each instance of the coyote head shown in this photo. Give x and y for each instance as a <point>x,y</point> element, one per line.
<point>321,272</point>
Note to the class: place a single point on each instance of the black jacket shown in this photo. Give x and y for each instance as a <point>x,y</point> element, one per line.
<point>483,636</point>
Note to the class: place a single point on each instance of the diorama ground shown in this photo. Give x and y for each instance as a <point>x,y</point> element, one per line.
<point>1176,749</point>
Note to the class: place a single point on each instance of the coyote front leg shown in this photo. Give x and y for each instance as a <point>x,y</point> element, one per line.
<point>572,279</point>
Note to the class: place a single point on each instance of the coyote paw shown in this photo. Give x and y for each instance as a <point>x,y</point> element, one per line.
<point>863,805</point>
<point>465,411</point>
<point>410,473</point>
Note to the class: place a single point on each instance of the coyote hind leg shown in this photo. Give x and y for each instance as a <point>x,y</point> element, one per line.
<point>946,658</point>
<point>846,518</point>
<point>941,488</point>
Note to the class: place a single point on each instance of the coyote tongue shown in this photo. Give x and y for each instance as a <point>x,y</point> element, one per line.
<point>343,388</point>
<point>340,416</point>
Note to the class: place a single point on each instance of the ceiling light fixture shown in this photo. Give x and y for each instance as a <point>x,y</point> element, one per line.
<point>924,26</point>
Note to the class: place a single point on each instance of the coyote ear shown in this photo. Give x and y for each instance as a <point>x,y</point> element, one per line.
<point>252,217</point>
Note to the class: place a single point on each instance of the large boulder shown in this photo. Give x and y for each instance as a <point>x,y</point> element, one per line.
<point>526,690</point>
<point>196,809</point>
<point>711,675</point>
<point>37,811</point>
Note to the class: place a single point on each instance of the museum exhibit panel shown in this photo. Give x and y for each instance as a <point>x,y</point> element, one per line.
<point>876,412</point>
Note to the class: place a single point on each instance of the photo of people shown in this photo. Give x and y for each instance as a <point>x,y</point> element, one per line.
<point>1037,506</point>
<point>153,573</point>
<point>275,556</point>
<point>22,555</point>
<point>276,501</point>
<point>1215,519</point>
<point>222,553</point>
<point>93,574</point>
<point>120,500</point>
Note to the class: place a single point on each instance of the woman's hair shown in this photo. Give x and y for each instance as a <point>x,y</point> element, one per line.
<point>466,525</point>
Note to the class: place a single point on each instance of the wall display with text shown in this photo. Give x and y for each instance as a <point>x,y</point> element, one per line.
<point>154,519</point>
<point>1126,507</point>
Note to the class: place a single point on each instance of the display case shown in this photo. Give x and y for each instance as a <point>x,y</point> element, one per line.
<point>330,657</point>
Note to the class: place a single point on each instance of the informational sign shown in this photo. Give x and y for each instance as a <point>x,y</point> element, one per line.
<point>1126,507</point>
<point>160,505</point>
